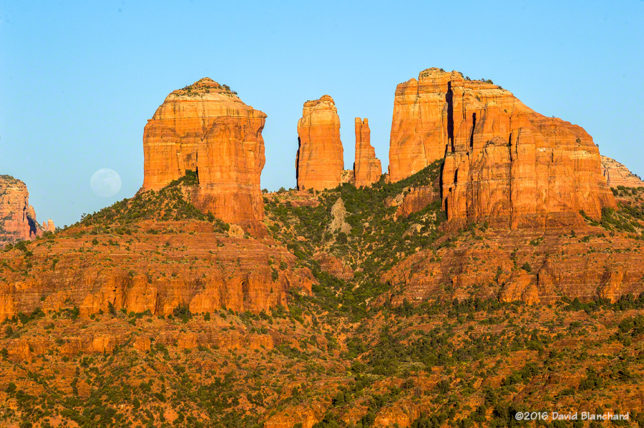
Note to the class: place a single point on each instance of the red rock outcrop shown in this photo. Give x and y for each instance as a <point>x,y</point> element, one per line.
<point>416,199</point>
<point>367,168</point>
<point>206,128</point>
<point>418,129</point>
<point>504,163</point>
<point>17,217</point>
<point>333,265</point>
<point>49,226</point>
<point>617,174</point>
<point>320,161</point>
<point>186,265</point>
<point>522,265</point>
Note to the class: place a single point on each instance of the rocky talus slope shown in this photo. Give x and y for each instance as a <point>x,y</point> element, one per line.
<point>388,319</point>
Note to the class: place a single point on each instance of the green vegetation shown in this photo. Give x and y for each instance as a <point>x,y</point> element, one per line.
<point>376,237</point>
<point>376,242</point>
<point>169,203</point>
<point>629,215</point>
<point>194,90</point>
<point>349,349</point>
<point>612,220</point>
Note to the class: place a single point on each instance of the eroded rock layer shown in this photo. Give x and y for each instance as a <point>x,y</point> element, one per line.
<point>367,168</point>
<point>617,174</point>
<point>160,267</point>
<point>320,160</point>
<point>504,163</point>
<point>522,265</point>
<point>17,217</point>
<point>206,128</point>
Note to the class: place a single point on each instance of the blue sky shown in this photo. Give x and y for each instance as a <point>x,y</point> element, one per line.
<point>78,80</point>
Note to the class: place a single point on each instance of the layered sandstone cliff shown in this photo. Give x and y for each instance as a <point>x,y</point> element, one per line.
<point>418,129</point>
<point>522,265</point>
<point>504,163</point>
<point>367,168</point>
<point>206,128</point>
<point>17,217</point>
<point>320,161</point>
<point>188,265</point>
<point>617,174</point>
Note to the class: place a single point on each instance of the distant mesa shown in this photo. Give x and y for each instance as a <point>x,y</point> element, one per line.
<point>320,160</point>
<point>503,162</point>
<point>206,128</point>
<point>617,174</point>
<point>18,218</point>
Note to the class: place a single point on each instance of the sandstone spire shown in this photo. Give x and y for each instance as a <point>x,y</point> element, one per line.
<point>367,168</point>
<point>49,226</point>
<point>206,128</point>
<point>320,155</point>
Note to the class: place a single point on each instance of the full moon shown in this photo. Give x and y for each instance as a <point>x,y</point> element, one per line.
<point>105,182</point>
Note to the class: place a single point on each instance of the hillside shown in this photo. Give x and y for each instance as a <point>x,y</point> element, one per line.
<point>338,340</point>
<point>491,271</point>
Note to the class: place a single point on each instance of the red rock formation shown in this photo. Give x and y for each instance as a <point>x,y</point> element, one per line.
<point>49,226</point>
<point>17,217</point>
<point>206,128</point>
<point>333,265</point>
<point>367,168</point>
<point>416,199</point>
<point>522,265</point>
<point>320,155</point>
<point>419,125</point>
<point>504,163</point>
<point>617,174</point>
<point>188,265</point>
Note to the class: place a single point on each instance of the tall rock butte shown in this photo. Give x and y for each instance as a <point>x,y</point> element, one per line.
<point>17,217</point>
<point>206,128</point>
<point>418,128</point>
<point>617,174</point>
<point>320,160</point>
<point>504,163</point>
<point>367,168</point>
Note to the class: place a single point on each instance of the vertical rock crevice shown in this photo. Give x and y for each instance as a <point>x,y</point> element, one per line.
<point>449,99</point>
